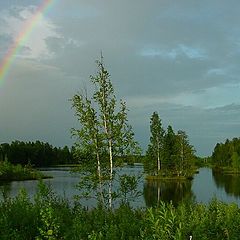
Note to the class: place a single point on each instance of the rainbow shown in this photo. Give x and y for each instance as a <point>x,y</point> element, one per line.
<point>22,37</point>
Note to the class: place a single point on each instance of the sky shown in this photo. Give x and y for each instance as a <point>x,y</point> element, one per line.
<point>179,58</point>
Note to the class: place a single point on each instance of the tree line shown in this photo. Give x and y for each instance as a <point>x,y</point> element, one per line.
<point>38,154</point>
<point>227,154</point>
<point>168,153</point>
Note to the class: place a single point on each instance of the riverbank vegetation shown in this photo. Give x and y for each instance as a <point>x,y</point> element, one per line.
<point>49,217</point>
<point>38,154</point>
<point>226,156</point>
<point>10,172</point>
<point>203,162</point>
<point>169,154</point>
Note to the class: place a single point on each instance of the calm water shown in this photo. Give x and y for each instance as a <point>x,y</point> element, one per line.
<point>205,186</point>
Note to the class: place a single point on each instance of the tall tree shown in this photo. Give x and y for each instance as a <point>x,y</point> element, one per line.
<point>89,138</point>
<point>104,124</point>
<point>185,156</point>
<point>155,148</point>
<point>170,148</point>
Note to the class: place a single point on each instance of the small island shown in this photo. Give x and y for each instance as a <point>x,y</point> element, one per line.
<point>169,155</point>
<point>10,172</point>
<point>20,160</point>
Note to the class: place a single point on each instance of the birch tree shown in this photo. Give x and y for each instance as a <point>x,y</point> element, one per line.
<point>155,148</point>
<point>104,125</point>
<point>89,138</point>
<point>185,157</point>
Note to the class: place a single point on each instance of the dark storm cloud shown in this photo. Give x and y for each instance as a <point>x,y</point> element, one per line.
<point>123,30</point>
<point>180,58</point>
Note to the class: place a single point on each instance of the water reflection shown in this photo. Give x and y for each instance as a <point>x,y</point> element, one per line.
<point>176,191</point>
<point>205,186</point>
<point>229,182</point>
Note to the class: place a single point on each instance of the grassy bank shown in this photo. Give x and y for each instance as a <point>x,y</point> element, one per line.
<point>227,170</point>
<point>10,172</point>
<point>67,165</point>
<point>160,177</point>
<point>171,175</point>
<point>49,217</point>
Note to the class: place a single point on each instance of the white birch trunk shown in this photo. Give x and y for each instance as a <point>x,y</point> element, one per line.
<point>159,163</point>
<point>100,178</point>
<point>111,174</point>
<point>158,193</point>
<point>158,156</point>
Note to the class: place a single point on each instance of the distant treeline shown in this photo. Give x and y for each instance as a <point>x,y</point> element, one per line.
<point>227,154</point>
<point>38,154</point>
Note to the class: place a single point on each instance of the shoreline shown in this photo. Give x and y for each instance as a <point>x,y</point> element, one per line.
<point>180,178</point>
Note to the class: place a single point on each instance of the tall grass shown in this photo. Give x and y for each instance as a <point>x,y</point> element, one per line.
<point>50,217</point>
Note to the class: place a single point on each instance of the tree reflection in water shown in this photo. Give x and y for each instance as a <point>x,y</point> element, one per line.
<point>229,182</point>
<point>167,190</point>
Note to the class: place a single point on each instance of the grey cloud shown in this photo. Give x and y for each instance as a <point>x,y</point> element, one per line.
<point>120,34</point>
<point>228,109</point>
<point>199,38</point>
<point>172,54</point>
<point>37,107</point>
<point>4,43</point>
<point>205,127</point>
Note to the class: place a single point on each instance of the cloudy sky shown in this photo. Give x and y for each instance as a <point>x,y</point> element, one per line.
<point>179,58</point>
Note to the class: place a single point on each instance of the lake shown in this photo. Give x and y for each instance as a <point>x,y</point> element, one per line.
<point>205,186</point>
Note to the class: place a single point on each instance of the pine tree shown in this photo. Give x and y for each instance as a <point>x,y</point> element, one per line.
<point>170,148</point>
<point>185,156</point>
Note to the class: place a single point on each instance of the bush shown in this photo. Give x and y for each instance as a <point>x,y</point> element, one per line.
<point>49,217</point>
<point>10,172</point>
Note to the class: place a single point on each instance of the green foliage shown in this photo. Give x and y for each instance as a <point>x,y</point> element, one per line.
<point>18,218</point>
<point>170,148</point>
<point>162,223</point>
<point>49,228</point>
<point>37,153</point>
<point>104,125</point>
<point>10,172</point>
<point>155,148</point>
<point>168,154</point>
<point>104,134</point>
<point>128,188</point>
<point>185,159</point>
<point>203,162</point>
<point>235,160</point>
<point>48,217</point>
<point>227,155</point>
